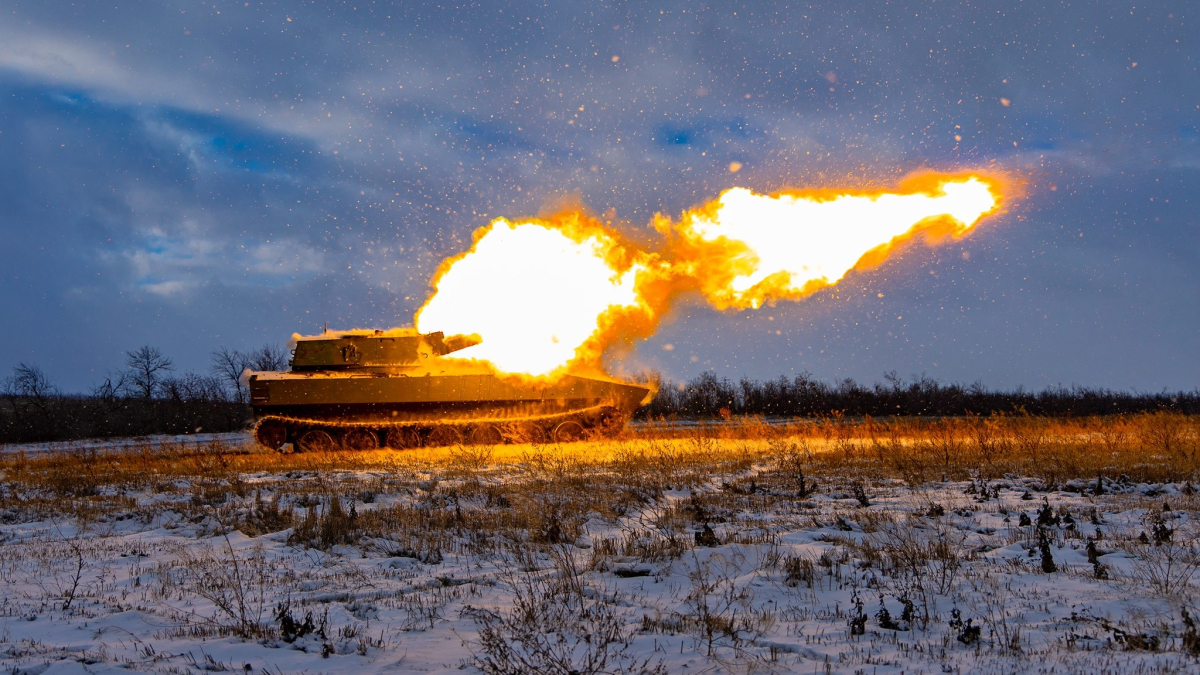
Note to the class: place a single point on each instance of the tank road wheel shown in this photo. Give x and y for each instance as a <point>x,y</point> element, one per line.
<point>316,440</point>
<point>532,432</point>
<point>486,434</point>
<point>568,432</point>
<point>360,439</point>
<point>399,438</point>
<point>444,435</point>
<point>610,421</point>
<point>271,434</point>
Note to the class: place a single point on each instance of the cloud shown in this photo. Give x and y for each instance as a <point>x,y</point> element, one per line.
<point>285,258</point>
<point>168,265</point>
<point>40,54</point>
<point>225,166</point>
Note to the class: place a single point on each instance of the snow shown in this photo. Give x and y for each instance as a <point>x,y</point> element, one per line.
<point>120,444</point>
<point>778,593</point>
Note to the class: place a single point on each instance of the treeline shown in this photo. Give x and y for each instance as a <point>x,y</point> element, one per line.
<point>148,397</point>
<point>708,396</point>
<point>145,397</point>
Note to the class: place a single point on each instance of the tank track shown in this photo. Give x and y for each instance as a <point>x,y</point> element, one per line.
<point>274,432</point>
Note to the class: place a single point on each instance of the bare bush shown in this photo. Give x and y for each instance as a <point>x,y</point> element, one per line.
<point>71,588</point>
<point>63,569</point>
<point>324,530</point>
<point>990,444</point>
<point>265,516</point>
<point>1029,435</point>
<point>642,545</point>
<point>1004,630</point>
<point>1167,566</point>
<point>470,458</point>
<point>922,561</point>
<point>792,456</point>
<point>235,583</point>
<point>945,441</point>
<point>1169,433</point>
<point>720,610</point>
<point>555,628</point>
<point>799,571</point>
<point>423,610</point>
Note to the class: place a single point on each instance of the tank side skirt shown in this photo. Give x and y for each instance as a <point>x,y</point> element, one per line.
<point>599,417</point>
<point>313,422</point>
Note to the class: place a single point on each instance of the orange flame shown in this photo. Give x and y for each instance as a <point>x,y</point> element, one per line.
<point>535,292</point>
<point>549,295</point>
<point>751,248</point>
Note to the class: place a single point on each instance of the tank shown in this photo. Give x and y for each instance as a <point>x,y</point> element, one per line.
<point>363,390</point>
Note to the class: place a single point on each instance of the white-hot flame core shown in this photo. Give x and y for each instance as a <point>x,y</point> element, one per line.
<point>533,294</point>
<point>821,240</point>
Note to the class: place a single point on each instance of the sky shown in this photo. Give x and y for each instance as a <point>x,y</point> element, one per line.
<point>192,175</point>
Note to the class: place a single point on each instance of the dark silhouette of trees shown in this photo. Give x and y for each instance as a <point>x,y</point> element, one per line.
<point>33,410</point>
<point>707,396</point>
<point>146,398</point>
<point>191,387</point>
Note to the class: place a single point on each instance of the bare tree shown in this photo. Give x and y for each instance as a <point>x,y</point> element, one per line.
<point>228,365</point>
<point>269,357</point>
<point>114,386</point>
<point>30,382</point>
<point>146,368</point>
<point>29,387</point>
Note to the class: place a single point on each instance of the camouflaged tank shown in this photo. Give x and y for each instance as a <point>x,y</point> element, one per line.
<point>362,390</point>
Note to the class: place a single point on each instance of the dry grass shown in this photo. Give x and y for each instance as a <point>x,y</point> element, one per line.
<point>637,466</point>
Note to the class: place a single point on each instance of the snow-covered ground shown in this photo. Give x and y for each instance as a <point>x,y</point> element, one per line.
<point>121,444</point>
<point>739,573</point>
<point>237,438</point>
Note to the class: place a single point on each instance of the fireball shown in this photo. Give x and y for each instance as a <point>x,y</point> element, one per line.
<point>547,296</point>
<point>534,292</point>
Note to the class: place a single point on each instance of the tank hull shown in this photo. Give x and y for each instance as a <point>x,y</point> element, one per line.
<point>364,408</point>
<point>437,395</point>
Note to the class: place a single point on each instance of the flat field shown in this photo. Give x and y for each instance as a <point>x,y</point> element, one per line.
<point>984,545</point>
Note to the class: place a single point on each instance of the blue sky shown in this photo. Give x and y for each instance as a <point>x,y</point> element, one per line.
<point>199,174</point>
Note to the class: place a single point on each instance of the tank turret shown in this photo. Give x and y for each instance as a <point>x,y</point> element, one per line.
<point>378,349</point>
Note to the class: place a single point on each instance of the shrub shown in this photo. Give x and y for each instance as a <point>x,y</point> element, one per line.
<point>1167,567</point>
<point>325,530</point>
<point>966,632</point>
<point>291,629</point>
<point>554,628</point>
<point>236,584</point>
